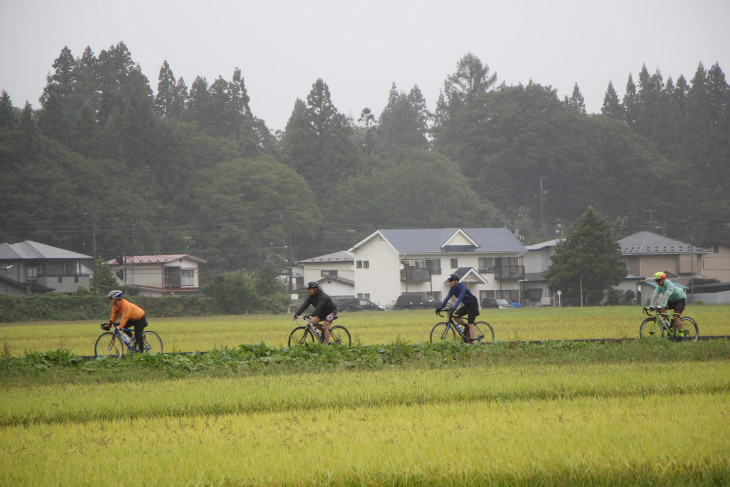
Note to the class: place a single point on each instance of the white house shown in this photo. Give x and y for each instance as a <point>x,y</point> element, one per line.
<point>334,272</point>
<point>391,262</point>
<point>154,275</point>
<point>537,262</point>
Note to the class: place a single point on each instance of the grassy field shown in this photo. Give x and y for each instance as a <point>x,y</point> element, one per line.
<point>397,412</point>
<point>367,328</point>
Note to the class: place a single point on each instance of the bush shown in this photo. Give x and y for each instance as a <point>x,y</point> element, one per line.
<point>61,307</point>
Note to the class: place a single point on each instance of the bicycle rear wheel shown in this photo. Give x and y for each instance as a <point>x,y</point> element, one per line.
<point>340,336</point>
<point>484,330</point>
<point>442,332</point>
<point>692,331</point>
<point>650,328</point>
<point>152,342</point>
<point>299,336</point>
<point>108,345</point>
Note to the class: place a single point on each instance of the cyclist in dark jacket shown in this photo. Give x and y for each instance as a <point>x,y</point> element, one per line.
<point>324,312</point>
<point>470,306</point>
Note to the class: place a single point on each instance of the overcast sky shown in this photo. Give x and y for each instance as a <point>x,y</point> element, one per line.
<point>359,48</point>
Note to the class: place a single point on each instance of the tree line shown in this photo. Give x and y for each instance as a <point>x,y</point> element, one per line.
<point>107,166</point>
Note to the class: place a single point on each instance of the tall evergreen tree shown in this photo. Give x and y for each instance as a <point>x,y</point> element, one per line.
<point>612,105</point>
<point>318,138</point>
<point>632,106</point>
<point>576,100</point>
<point>7,117</point>
<point>589,259</point>
<point>404,120</point>
<point>166,91</point>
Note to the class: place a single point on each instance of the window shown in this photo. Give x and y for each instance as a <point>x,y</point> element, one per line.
<point>454,263</point>
<point>434,265</point>
<point>366,264</point>
<point>187,277</point>
<point>363,296</point>
<point>31,271</point>
<point>326,273</point>
<point>359,264</point>
<point>486,264</point>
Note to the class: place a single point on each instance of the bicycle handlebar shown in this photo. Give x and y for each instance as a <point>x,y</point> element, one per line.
<point>448,310</point>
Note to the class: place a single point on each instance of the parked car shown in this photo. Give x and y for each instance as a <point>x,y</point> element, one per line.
<point>412,300</point>
<point>495,303</point>
<point>356,304</point>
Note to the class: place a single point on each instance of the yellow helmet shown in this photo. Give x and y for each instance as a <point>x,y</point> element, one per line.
<point>659,276</point>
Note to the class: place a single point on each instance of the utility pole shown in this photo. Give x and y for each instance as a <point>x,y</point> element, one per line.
<point>289,251</point>
<point>542,201</point>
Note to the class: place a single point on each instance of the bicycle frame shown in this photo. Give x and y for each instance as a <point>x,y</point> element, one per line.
<point>108,343</point>
<point>339,335</point>
<point>665,325</point>
<point>462,330</point>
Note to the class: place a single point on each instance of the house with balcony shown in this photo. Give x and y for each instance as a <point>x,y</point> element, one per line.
<point>156,275</point>
<point>33,267</point>
<point>391,262</point>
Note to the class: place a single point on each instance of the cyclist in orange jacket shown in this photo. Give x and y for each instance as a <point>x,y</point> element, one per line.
<point>129,314</point>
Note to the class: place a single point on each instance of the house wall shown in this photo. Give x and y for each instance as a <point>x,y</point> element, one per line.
<point>313,270</point>
<point>143,275</point>
<point>712,298</point>
<point>382,277</point>
<point>337,288</point>
<point>65,284</point>
<point>716,263</point>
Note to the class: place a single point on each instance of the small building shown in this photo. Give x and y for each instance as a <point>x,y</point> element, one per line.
<point>334,272</point>
<point>33,267</point>
<point>155,275</point>
<point>646,253</point>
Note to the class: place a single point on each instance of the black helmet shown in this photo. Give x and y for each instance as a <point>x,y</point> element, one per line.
<point>312,285</point>
<point>453,277</point>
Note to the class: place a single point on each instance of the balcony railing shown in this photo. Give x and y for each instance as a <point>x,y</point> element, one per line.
<point>509,272</point>
<point>415,274</point>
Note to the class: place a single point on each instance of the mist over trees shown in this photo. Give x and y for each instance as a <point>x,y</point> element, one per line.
<point>107,165</point>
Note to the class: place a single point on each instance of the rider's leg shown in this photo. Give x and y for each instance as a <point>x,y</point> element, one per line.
<point>326,332</point>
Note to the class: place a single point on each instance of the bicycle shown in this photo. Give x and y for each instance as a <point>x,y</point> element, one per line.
<point>111,344</point>
<point>308,333</point>
<point>657,325</point>
<point>448,330</point>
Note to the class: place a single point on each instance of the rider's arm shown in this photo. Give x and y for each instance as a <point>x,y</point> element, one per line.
<point>446,300</point>
<point>304,306</point>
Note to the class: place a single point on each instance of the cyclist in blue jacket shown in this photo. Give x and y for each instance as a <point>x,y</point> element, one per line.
<point>469,304</point>
<point>668,295</point>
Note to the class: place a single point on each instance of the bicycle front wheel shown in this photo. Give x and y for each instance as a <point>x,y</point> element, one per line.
<point>152,342</point>
<point>108,345</point>
<point>340,336</point>
<point>299,336</point>
<point>484,330</point>
<point>692,331</point>
<point>650,328</point>
<point>442,332</point>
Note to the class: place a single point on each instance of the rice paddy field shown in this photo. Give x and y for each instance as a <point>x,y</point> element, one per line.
<point>391,410</point>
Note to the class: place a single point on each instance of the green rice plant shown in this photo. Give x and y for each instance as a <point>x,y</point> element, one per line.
<point>569,425</point>
<point>367,328</point>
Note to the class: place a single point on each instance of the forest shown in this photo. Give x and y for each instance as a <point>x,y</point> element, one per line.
<point>106,165</point>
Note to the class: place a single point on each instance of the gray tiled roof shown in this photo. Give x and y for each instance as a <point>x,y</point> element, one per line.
<point>341,256</point>
<point>430,240</point>
<point>30,250</point>
<point>644,243</point>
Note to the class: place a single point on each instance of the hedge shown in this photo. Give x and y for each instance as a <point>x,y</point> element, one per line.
<point>62,307</point>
